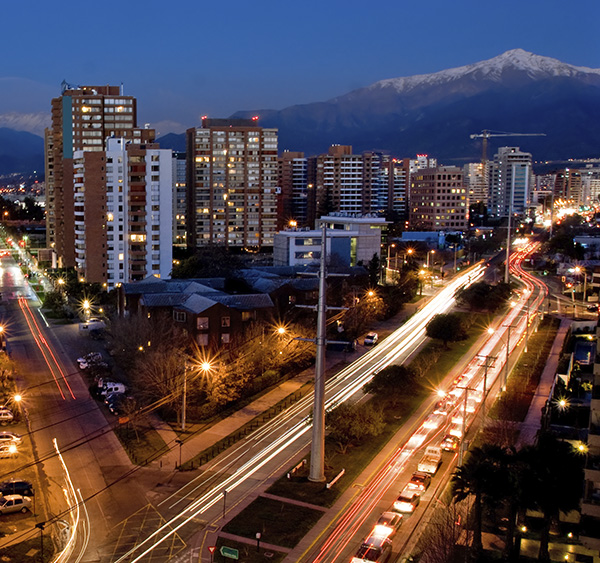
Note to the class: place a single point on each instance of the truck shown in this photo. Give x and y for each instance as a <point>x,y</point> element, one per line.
<point>431,460</point>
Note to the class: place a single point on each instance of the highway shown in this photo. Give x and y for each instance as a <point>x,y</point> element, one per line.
<point>342,540</point>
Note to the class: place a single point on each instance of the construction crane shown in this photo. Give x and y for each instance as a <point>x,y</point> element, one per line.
<point>487,133</point>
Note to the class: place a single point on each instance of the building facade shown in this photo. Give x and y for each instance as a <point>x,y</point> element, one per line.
<point>346,182</point>
<point>83,117</point>
<point>231,184</point>
<point>293,185</point>
<point>439,199</point>
<point>354,239</point>
<point>122,212</point>
<point>511,181</point>
<point>179,200</point>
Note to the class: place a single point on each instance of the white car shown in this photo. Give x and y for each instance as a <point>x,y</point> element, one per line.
<point>14,503</point>
<point>371,339</point>
<point>6,416</point>
<point>10,437</point>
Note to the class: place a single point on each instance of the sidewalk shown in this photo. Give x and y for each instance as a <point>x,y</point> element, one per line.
<point>195,443</point>
<point>533,421</point>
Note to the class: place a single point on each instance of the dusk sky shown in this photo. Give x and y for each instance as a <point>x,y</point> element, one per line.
<point>189,58</point>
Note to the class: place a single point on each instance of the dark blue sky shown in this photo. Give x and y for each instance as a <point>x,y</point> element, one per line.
<point>188,58</point>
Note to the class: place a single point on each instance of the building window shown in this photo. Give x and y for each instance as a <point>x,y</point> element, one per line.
<point>179,316</point>
<point>202,323</point>
<point>225,338</point>
<point>225,322</point>
<point>202,339</point>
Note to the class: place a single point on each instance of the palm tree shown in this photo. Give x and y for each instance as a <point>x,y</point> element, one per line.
<point>557,486</point>
<point>518,491</point>
<point>479,477</point>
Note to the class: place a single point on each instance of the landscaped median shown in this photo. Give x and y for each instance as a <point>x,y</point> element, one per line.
<point>269,516</point>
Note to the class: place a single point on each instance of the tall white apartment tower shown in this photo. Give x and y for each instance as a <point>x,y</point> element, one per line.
<point>511,182</point>
<point>123,212</point>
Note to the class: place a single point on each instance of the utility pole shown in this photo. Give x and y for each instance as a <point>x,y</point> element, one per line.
<point>317,457</point>
<point>489,362</point>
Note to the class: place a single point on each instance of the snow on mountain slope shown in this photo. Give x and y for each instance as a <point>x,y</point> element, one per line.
<point>535,66</point>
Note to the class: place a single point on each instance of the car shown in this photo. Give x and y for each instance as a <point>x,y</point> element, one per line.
<point>91,357</point>
<point>434,421</point>
<point>407,502</point>
<point>456,430</point>
<point>14,503</point>
<point>10,437</point>
<point>6,416</point>
<point>419,481</point>
<point>592,308</point>
<point>16,487</point>
<point>119,403</point>
<point>371,339</point>
<point>391,520</point>
<point>450,443</point>
<point>377,548</point>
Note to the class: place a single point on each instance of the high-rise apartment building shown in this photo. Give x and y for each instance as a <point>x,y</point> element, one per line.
<point>393,176</point>
<point>568,186</point>
<point>122,212</point>
<point>476,183</point>
<point>231,184</point>
<point>439,199</point>
<point>179,200</point>
<point>83,117</point>
<point>293,189</point>
<point>346,182</point>
<point>511,182</point>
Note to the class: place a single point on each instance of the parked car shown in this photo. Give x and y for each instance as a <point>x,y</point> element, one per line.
<point>14,503</point>
<point>592,308</point>
<point>11,437</point>
<point>6,416</point>
<point>118,403</point>
<point>16,487</point>
<point>371,339</point>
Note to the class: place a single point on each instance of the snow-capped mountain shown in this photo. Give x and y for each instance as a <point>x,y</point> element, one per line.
<point>496,69</point>
<point>435,113</point>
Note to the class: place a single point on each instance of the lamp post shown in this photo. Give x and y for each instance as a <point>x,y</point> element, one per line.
<point>184,396</point>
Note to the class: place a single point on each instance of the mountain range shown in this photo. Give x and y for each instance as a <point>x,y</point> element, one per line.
<point>516,91</point>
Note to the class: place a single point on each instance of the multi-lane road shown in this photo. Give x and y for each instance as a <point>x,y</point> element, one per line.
<point>60,408</point>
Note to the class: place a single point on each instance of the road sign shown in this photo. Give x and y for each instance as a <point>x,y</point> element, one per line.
<point>229,552</point>
<point>212,548</point>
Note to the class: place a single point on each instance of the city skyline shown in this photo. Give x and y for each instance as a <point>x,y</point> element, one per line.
<point>215,60</point>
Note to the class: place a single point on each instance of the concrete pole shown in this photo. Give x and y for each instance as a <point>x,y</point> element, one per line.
<point>317,457</point>
<point>510,211</point>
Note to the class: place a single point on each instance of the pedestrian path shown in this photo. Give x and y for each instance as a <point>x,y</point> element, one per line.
<point>533,421</point>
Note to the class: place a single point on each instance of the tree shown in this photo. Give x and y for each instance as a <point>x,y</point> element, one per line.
<point>209,262</point>
<point>482,296</point>
<point>374,269</point>
<point>479,477</point>
<point>390,380</point>
<point>348,425</point>
<point>558,474</point>
<point>447,327</point>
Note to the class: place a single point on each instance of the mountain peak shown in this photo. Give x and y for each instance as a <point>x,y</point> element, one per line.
<point>534,66</point>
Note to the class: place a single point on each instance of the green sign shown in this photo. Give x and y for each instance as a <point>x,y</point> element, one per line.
<point>229,552</point>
